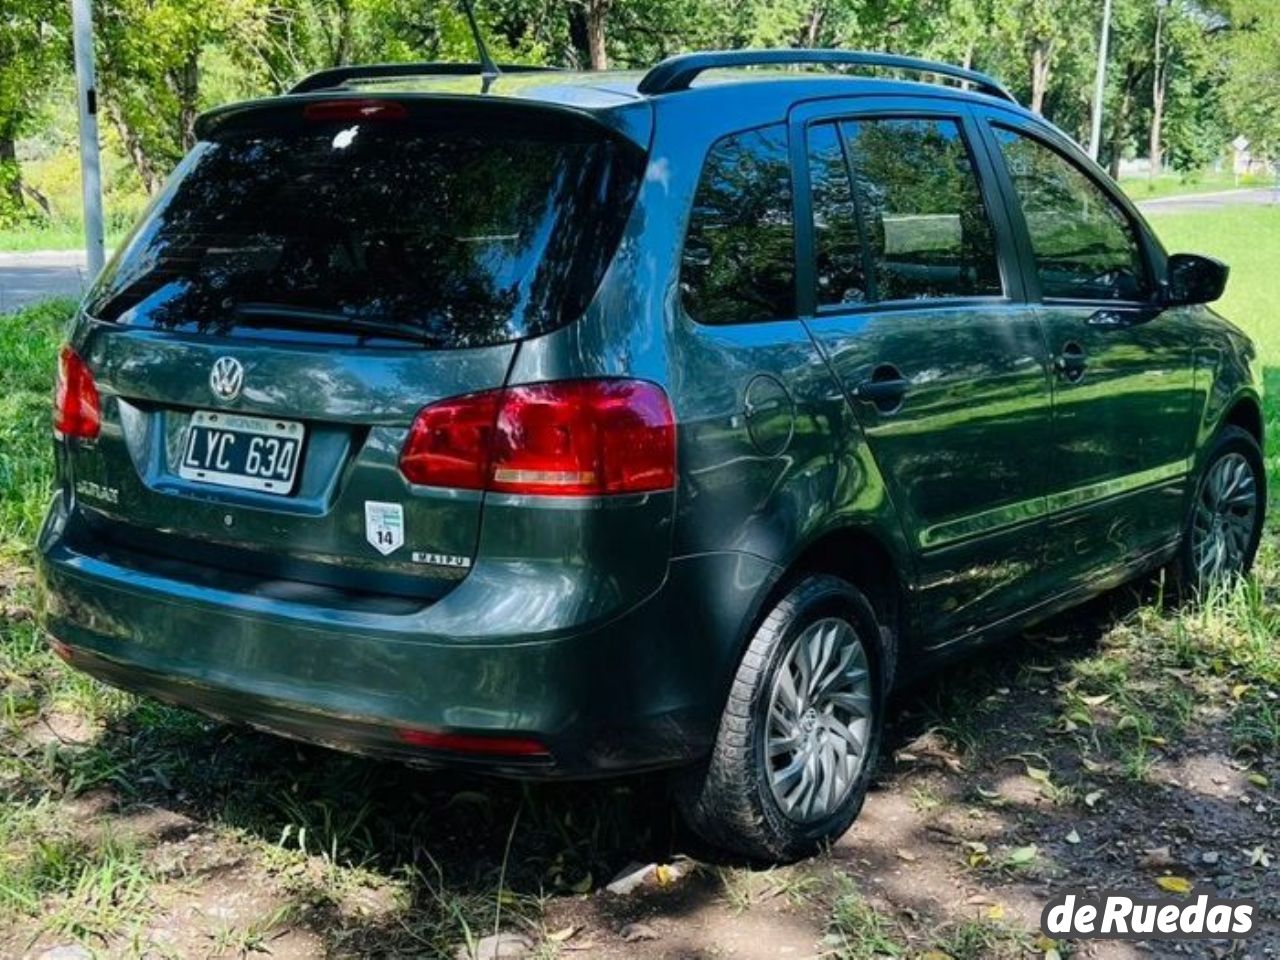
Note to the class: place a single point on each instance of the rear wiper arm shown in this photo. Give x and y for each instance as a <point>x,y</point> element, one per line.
<point>332,320</point>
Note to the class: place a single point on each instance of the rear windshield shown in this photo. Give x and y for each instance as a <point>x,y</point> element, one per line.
<point>455,235</point>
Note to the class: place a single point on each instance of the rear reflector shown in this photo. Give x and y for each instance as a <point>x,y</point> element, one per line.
<point>354,108</point>
<point>77,410</point>
<point>474,743</point>
<point>568,438</point>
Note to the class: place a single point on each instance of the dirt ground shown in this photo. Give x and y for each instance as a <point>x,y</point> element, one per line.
<point>1116,748</point>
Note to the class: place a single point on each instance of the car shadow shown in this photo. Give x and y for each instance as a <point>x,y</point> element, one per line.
<point>454,840</point>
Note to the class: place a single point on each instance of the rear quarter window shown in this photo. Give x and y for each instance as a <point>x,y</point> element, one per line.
<point>739,255</point>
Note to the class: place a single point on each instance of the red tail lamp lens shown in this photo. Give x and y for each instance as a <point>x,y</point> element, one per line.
<point>568,438</point>
<point>449,442</point>
<point>77,410</point>
<point>354,108</point>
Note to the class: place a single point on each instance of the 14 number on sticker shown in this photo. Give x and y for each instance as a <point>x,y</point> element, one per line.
<point>384,526</point>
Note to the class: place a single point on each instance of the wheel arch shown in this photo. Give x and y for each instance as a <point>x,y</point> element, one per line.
<point>1245,412</point>
<point>856,553</point>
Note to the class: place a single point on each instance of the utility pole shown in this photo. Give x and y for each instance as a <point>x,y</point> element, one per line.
<point>1100,83</point>
<point>90,161</point>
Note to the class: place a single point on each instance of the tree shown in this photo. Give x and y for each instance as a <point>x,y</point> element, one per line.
<point>33,48</point>
<point>149,55</point>
<point>1251,90</point>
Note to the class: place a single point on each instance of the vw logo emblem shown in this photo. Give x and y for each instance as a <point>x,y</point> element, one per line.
<point>226,378</point>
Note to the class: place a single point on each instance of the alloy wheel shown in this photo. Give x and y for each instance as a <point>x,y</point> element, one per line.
<point>1226,513</point>
<point>819,720</point>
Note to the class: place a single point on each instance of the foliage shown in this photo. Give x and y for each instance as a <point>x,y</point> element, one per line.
<point>32,38</point>
<point>1185,76</point>
<point>1252,88</point>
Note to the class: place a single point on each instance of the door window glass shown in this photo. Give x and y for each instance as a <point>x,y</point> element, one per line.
<point>739,256</point>
<point>840,267</point>
<point>922,211</point>
<point>1084,244</point>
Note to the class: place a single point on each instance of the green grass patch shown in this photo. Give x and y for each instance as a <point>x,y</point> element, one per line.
<point>28,347</point>
<point>1247,238</point>
<point>1179,185</point>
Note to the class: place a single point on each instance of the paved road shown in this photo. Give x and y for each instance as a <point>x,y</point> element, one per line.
<point>1211,201</point>
<point>28,277</point>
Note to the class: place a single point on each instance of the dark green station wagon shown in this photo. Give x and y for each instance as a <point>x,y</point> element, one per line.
<point>599,423</point>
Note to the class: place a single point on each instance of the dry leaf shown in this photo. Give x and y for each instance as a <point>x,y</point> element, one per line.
<point>560,936</point>
<point>1021,856</point>
<point>995,912</point>
<point>908,856</point>
<point>1096,701</point>
<point>1173,884</point>
<point>1258,857</point>
<point>1091,799</point>
<point>1156,858</point>
<point>1073,837</point>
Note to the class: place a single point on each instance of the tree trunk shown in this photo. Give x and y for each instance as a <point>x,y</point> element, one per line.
<point>1041,65</point>
<point>9,158</point>
<point>147,172</point>
<point>1159,82</point>
<point>187,87</point>
<point>597,11</point>
<point>1120,129</point>
<point>814,26</point>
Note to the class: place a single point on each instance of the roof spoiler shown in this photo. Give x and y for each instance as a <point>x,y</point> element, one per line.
<point>374,72</point>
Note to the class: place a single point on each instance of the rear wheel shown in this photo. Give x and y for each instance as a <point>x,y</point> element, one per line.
<point>798,740</point>
<point>1225,524</point>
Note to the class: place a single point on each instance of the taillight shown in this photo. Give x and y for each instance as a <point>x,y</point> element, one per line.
<point>569,438</point>
<point>449,442</point>
<point>77,411</point>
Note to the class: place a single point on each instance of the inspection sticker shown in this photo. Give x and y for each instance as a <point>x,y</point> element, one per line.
<point>384,526</point>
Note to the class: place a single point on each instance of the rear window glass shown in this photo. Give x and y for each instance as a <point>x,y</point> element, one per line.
<point>456,235</point>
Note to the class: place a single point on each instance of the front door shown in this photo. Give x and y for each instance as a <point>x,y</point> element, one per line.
<point>1123,400</point>
<point>916,301</point>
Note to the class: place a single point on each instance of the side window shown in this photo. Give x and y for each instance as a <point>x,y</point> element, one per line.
<point>923,217</point>
<point>839,264</point>
<point>739,256</point>
<point>1084,244</point>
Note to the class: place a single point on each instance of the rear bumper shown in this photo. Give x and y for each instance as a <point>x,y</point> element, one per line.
<point>619,691</point>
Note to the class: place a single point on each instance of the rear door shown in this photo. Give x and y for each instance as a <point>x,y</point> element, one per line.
<point>1123,403</point>
<point>914,296</point>
<point>318,273</point>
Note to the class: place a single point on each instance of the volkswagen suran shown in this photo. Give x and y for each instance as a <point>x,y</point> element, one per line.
<point>600,423</point>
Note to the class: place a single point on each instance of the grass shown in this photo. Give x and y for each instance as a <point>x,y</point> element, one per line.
<point>326,829</point>
<point>1176,185</point>
<point>28,341</point>
<point>1248,239</point>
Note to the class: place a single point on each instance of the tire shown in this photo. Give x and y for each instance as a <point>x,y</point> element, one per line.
<point>731,800</point>
<point>1232,449</point>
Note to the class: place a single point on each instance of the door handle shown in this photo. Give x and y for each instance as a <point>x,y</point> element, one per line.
<point>885,389</point>
<point>1071,362</point>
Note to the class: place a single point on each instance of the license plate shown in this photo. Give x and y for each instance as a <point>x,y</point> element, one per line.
<point>249,453</point>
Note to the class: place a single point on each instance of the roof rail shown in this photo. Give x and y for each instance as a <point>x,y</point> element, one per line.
<point>337,76</point>
<point>678,72</point>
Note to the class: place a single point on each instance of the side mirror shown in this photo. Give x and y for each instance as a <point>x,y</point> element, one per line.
<point>1191,279</point>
